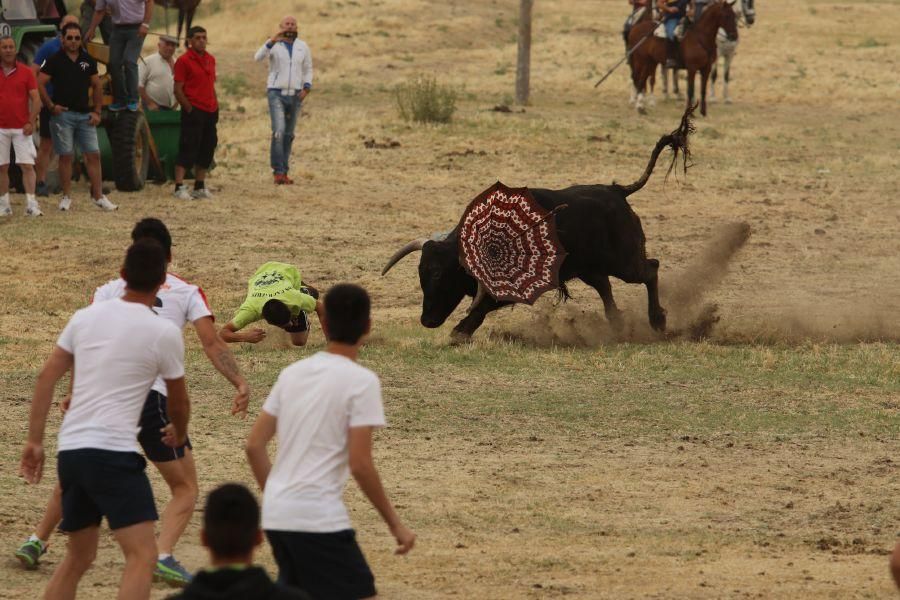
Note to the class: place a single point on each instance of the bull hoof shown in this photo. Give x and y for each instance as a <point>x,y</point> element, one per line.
<point>458,338</point>
<point>658,321</point>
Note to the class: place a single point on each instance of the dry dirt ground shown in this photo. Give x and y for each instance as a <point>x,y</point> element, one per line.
<point>549,458</point>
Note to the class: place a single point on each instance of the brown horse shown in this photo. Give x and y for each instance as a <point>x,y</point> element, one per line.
<point>186,9</point>
<point>697,51</point>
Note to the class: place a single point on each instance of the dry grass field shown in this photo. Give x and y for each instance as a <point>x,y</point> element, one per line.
<point>548,458</point>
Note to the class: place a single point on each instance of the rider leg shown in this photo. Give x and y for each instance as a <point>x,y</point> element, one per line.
<point>671,44</point>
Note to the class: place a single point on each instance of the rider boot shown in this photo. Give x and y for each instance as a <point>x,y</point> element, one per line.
<point>671,54</point>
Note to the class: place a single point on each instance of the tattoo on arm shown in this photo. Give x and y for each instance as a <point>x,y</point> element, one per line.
<point>227,365</point>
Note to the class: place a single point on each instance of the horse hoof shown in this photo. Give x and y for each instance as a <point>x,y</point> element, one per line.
<point>641,110</point>
<point>727,100</point>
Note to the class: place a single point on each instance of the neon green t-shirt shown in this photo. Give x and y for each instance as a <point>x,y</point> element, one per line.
<point>273,281</point>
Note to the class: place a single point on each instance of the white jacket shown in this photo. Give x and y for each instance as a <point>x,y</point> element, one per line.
<point>287,70</point>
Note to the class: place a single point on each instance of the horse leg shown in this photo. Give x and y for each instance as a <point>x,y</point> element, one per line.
<point>690,90</point>
<point>704,78</point>
<point>665,83</point>
<point>651,101</point>
<point>675,88</point>
<point>727,78</point>
<point>181,25</point>
<point>712,80</point>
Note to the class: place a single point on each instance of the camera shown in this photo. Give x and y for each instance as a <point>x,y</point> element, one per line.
<point>289,35</point>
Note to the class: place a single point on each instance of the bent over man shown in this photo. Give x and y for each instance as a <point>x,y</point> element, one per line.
<point>117,349</point>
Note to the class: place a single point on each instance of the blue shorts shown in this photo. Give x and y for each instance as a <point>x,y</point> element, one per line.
<point>154,417</point>
<point>69,129</point>
<point>324,565</point>
<point>103,483</point>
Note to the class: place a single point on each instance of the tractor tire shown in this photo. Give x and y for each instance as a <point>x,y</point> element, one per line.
<point>130,149</point>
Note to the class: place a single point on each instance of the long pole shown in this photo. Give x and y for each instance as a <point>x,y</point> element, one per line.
<point>629,53</point>
<point>523,62</point>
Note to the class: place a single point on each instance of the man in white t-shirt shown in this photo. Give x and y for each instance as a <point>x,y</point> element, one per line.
<point>323,410</point>
<point>116,350</point>
<point>180,303</point>
<point>156,76</point>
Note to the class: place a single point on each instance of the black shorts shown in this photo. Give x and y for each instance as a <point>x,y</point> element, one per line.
<point>153,418</point>
<point>44,124</point>
<point>324,565</point>
<point>103,483</point>
<point>198,139</point>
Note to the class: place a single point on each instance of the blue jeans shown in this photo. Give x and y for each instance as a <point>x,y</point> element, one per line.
<point>670,25</point>
<point>124,52</point>
<point>70,128</point>
<point>283,110</point>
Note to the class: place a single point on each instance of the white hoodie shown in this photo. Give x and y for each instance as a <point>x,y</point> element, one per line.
<point>287,70</point>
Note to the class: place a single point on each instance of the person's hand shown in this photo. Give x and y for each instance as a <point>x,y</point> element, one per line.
<point>32,465</point>
<point>254,335</point>
<point>65,403</point>
<point>88,36</point>
<point>170,437</point>
<point>187,108</point>
<point>151,105</point>
<point>143,30</point>
<point>241,400</point>
<point>405,537</point>
<point>278,36</point>
<point>28,129</point>
<point>303,94</point>
<point>58,109</point>
<point>94,118</point>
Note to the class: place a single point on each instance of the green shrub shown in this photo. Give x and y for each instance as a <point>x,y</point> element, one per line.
<point>424,100</point>
<point>234,85</point>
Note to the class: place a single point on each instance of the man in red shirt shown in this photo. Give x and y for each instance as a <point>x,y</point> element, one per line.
<point>19,107</point>
<point>195,89</point>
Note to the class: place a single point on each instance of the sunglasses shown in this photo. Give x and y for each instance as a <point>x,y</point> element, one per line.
<point>73,38</point>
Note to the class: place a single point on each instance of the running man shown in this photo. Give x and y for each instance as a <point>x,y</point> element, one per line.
<point>324,410</point>
<point>178,302</point>
<point>116,350</point>
<point>275,293</point>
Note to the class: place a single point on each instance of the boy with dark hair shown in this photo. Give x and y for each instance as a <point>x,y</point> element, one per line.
<point>324,410</point>
<point>231,533</point>
<point>180,303</point>
<point>275,293</point>
<point>117,349</point>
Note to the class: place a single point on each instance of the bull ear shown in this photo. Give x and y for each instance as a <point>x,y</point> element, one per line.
<point>409,248</point>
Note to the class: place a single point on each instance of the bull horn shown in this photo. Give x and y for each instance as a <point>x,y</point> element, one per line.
<point>411,247</point>
<point>479,296</point>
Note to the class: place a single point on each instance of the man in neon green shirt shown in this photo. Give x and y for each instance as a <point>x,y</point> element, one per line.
<point>274,293</point>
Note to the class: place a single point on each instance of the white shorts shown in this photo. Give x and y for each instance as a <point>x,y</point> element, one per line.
<point>24,145</point>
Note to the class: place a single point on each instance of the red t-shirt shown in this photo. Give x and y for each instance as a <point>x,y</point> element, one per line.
<point>14,94</point>
<point>198,74</point>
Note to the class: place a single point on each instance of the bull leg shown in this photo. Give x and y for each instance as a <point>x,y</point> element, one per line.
<point>655,311</point>
<point>463,332</point>
<point>613,314</point>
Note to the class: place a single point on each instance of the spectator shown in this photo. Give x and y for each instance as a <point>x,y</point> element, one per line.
<point>275,293</point>
<point>87,15</point>
<point>289,82</point>
<point>131,22</point>
<point>116,348</point>
<point>19,106</point>
<point>73,122</point>
<point>156,76</point>
<point>45,149</point>
<point>230,533</point>
<point>195,89</point>
<point>324,410</point>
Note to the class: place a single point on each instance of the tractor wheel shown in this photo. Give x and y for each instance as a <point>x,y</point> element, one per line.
<point>130,149</point>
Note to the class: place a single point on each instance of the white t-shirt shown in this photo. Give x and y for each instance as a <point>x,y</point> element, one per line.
<point>157,77</point>
<point>119,348</point>
<point>178,302</point>
<point>316,402</point>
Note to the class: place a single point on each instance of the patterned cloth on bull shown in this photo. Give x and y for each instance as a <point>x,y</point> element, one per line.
<point>508,242</point>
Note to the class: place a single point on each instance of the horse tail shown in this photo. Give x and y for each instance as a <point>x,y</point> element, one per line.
<point>678,141</point>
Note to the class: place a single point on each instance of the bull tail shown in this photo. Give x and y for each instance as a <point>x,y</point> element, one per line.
<point>678,141</point>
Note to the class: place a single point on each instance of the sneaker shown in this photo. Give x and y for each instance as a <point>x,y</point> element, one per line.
<point>286,180</point>
<point>117,107</point>
<point>182,193</point>
<point>133,106</point>
<point>34,209</point>
<point>104,203</point>
<point>5,208</point>
<point>65,204</point>
<point>201,194</point>
<point>172,572</point>
<point>42,189</point>
<point>30,553</point>
<point>279,179</point>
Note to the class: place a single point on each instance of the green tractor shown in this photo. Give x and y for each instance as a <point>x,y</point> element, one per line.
<point>133,145</point>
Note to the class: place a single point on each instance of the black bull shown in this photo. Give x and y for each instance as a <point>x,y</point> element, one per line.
<point>599,230</point>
